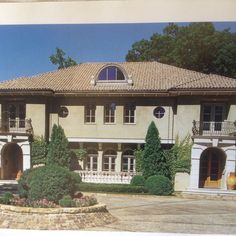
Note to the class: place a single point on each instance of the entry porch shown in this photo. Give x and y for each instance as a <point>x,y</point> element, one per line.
<point>212,160</point>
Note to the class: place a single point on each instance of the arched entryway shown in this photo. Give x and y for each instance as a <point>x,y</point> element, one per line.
<point>212,164</point>
<point>11,161</point>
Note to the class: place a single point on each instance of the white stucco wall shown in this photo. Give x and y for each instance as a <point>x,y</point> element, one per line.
<point>37,113</point>
<point>74,125</point>
<point>184,119</point>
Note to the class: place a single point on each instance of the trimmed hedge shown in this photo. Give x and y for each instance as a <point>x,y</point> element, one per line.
<point>159,185</point>
<point>138,180</point>
<point>112,188</point>
<point>51,182</point>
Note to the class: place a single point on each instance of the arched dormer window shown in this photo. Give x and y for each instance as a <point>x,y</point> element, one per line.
<point>111,73</point>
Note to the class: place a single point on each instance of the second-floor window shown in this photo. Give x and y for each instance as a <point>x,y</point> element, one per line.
<point>109,113</point>
<point>16,115</point>
<point>212,116</point>
<point>90,113</point>
<point>129,113</point>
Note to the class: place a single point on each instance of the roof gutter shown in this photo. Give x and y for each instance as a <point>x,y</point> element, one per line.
<point>111,94</point>
<point>202,92</point>
<point>14,92</point>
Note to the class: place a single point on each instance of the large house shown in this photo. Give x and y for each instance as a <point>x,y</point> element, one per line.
<point>106,109</point>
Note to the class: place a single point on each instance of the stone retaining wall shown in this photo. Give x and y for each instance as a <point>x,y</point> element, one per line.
<point>54,218</point>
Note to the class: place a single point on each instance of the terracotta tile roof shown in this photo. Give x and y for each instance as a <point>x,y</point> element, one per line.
<point>146,77</point>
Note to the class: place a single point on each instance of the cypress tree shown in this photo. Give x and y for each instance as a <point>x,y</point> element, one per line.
<point>153,159</point>
<point>58,150</point>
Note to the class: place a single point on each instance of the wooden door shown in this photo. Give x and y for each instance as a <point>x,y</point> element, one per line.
<point>211,168</point>
<point>213,172</point>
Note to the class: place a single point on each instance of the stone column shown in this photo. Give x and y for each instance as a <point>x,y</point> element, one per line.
<point>230,152</point>
<point>100,155</point>
<point>118,161</point>
<point>26,155</point>
<point>195,164</point>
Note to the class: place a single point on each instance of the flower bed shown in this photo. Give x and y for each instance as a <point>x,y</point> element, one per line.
<point>22,213</point>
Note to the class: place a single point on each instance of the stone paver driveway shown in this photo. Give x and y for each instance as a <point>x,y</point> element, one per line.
<point>169,214</point>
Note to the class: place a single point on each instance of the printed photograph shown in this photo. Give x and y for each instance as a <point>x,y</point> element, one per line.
<point>118,127</point>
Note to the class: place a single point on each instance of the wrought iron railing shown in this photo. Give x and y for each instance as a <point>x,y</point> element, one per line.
<point>225,128</point>
<point>16,125</point>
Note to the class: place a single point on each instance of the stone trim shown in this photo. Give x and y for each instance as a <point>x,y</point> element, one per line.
<point>57,210</point>
<point>16,217</point>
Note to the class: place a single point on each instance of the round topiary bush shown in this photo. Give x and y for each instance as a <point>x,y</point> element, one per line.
<point>49,182</point>
<point>159,185</point>
<point>67,201</point>
<point>137,180</point>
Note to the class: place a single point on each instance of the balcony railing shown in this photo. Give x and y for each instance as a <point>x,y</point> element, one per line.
<point>106,177</point>
<point>225,128</point>
<point>16,126</point>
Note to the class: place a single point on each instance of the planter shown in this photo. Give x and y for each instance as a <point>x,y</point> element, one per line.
<point>231,181</point>
<point>16,217</point>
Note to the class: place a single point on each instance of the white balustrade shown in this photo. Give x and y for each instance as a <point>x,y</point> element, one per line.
<point>106,177</point>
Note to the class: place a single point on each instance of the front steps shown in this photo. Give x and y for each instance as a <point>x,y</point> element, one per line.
<point>211,194</point>
<point>8,186</point>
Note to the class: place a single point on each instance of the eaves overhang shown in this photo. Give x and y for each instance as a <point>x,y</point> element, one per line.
<point>111,93</point>
<point>23,92</point>
<point>202,92</point>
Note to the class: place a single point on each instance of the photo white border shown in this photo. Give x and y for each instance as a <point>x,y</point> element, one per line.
<point>108,11</point>
<point>117,11</point>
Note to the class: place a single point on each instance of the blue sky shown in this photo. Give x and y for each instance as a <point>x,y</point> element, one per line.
<point>25,49</point>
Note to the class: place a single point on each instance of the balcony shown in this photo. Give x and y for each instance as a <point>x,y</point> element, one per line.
<point>212,128</point>
<point>16,126</point>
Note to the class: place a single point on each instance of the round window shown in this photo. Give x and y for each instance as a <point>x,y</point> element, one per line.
<point>159,112</point>
<point>63,112</point>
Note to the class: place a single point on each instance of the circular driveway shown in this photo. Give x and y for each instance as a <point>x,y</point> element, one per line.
<point>138,213</point>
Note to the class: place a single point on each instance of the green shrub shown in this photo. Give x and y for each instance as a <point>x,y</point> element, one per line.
<point>138,180</point>
<point>58,148</point>
<point>67,201</point>
<point>24,182</point>
<point>39,151</point>
<point>138,159</point>
<point>51,182</point>
<point>153,160</point>
<point>159,185</point>
<point>179,156</point>
<point>112,188</point>
<point>6,198</point>
<point>76,177</point>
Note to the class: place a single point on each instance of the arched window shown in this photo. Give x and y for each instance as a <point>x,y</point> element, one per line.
<point>109,160</point>
<point>91,160</point>
<point>111,73</point>
<point>128,161</point>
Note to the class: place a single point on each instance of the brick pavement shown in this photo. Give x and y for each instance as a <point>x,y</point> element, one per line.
<point>169,214</point>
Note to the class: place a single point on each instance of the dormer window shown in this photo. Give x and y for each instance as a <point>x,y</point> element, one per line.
<point>111,73</point>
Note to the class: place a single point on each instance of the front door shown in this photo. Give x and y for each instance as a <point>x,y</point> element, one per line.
<point>213,116</point>
<point>211,167</point>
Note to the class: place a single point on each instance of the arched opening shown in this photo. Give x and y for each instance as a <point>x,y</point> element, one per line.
<point>109,160</point>
<point>128,161</point>
<point>212,164</point>
<point>11,161</point>
<point>91,162</point>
